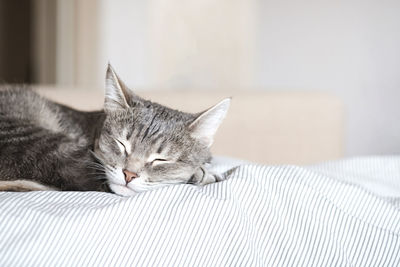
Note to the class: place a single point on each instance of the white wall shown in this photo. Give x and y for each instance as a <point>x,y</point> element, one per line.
<point>123,39</point>
<point>179,44</point>
<point>348,48</point>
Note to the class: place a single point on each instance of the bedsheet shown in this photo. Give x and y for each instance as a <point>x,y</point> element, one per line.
<point>342,213</point>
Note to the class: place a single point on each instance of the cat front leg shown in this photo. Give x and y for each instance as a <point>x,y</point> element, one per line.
<point>204,176</point>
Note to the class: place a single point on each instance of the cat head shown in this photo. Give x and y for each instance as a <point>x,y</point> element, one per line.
<point>145,145</point>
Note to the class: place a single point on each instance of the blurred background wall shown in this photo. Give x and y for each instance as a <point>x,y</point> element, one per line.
<point>346,48</point>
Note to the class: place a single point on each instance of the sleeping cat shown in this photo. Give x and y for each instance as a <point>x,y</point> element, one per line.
<point>131,146</point>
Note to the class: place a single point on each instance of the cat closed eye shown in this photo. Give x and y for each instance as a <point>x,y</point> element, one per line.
<point>121,146</point>
<point>158,161</point>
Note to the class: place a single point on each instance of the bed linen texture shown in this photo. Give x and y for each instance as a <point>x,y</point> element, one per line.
<point>342,213</point>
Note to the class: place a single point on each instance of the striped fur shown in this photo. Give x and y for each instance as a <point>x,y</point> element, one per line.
<point>46,143</point>
<point>23,186</point>
<point>66,149</point>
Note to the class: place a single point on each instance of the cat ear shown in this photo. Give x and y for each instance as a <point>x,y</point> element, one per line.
<point>118,95</point>
<point>205,126</point>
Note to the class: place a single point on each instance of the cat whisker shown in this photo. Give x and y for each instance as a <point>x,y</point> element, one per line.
<point>97,171</point>
<point>98,167</point>
<point>96,156</point>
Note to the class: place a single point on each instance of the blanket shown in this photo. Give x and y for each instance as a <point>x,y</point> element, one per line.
<point>341,213</point>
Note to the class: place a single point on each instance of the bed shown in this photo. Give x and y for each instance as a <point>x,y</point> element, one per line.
<point>319,215</point>
<point>342,212</point>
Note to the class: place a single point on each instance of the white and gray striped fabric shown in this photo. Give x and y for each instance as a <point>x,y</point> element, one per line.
<point>259,216</point>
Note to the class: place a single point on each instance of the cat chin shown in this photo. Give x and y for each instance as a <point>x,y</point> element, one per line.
<point>122,190</point>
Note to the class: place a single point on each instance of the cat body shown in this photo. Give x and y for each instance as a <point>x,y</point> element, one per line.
<point>130,146</point>
<point>47,143</point>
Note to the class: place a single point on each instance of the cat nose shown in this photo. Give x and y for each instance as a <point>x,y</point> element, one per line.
<point>129,176</point>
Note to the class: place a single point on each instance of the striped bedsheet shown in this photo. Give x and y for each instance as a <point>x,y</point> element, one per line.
<point>343,213</point>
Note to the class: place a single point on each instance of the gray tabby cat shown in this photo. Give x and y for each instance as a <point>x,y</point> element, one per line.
<point>131,146</point>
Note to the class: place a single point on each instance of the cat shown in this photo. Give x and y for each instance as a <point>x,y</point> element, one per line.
<point>131,146</point>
